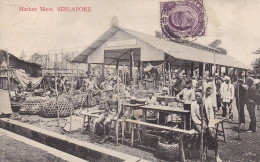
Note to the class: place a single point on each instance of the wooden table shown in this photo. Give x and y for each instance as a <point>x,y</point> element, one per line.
<point>132,107</point>
<point>166,99</point>
<point>167,109</point>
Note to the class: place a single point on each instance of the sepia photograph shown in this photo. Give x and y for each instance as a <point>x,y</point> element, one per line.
<point>129,80</point>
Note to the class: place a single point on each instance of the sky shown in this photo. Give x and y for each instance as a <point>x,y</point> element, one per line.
<point>235,22</point>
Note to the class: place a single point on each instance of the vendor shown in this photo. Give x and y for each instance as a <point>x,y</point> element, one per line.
<point>187,95</point>
<point>111,111</point>
<point>151,99</point>
<point>29,87</point>
<point>19,93</point>
<point>163,115</point>
<point>207,119</point>
<point>91,84</point>
<point>165,91</point>
<point>60,87</point>
<point>49,90</point>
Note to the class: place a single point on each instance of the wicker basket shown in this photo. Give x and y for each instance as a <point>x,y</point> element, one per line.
<point>78,100</point>
<point>33,105</point>
<point>170,152</point>
<point>64,105</point>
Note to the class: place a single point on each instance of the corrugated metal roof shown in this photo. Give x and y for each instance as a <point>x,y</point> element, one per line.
<point>174,49</point>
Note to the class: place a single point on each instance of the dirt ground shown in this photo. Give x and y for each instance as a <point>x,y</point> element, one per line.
<point>245,149</point>
<point>13,150</point>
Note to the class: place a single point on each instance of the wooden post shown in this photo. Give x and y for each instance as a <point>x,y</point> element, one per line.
<point>141,70</point>
<point>103,72</point>
<point>201,112</point>
<point>131,66</point>
<point>210,70</point>
<point>182,148</point>
<point>192,68</point>
<point>89,68</point>
<point>163,72</point>
<point>117,64</point>
<point>200,69</point>
<point>56,90</point>
<point>8,74</point>
<point>238,133</point>
<point>220,71</point>
<point>62,57</point>
<point>245,74</point>
<point>226,72</point>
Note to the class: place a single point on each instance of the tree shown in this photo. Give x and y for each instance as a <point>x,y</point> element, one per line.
<point>256,66</point>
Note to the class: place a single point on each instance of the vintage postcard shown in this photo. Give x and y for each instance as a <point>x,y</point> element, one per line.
<point>129,80</point>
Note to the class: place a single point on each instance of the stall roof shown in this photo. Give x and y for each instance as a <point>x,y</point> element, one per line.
<point>191,52</point>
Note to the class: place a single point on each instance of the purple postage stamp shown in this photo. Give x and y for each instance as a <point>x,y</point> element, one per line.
<point>182,19</point>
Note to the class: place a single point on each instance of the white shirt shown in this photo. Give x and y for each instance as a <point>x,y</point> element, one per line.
<point>195,112</point>
<point>194,83</point>
<point>188,95</point>
<point>227,92</point>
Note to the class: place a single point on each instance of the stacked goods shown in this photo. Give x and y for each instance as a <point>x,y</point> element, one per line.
<point>64,105</point>
<point>33,105</point>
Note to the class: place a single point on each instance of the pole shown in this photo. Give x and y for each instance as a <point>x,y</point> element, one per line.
<point>118,105</point>
<point>133,65</point>
<point>214,88</point>
<point>201,112</point>
<point>8,74</point>
<point>170,79</point>
<point>56,90</point>
<point>238,109</point>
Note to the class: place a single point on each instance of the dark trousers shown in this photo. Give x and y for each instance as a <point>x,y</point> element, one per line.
<point>209,138</point>
<point>218,101</point>
<point>188,121</point>
<point>240,108</point>
<point>251,110</point>
<point>225,106</point>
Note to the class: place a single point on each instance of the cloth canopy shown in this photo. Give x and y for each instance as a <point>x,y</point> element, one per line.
<point>24,79</point>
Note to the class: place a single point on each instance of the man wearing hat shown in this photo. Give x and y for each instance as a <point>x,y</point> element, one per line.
<point>227,95</point>
<point>251,99</point>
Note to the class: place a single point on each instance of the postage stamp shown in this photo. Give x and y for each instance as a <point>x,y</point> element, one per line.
<point>182,19</point>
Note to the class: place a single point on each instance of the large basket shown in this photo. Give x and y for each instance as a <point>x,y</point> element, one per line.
<point>64,105</point>
<point>33,105</point>
<point>170,152</point>
<point>78,100</point>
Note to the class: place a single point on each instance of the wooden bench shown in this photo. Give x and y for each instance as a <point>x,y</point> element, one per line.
<point>218,131</point>
<point>95,114</point>
<point>90,115</point>
<point>176,130</point>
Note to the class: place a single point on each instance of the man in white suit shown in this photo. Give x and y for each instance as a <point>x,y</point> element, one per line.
<point>227,95</point>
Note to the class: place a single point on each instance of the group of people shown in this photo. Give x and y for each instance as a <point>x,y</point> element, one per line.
<point>61,83</point>
<point>225,93</point>
<point>220,94</point>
